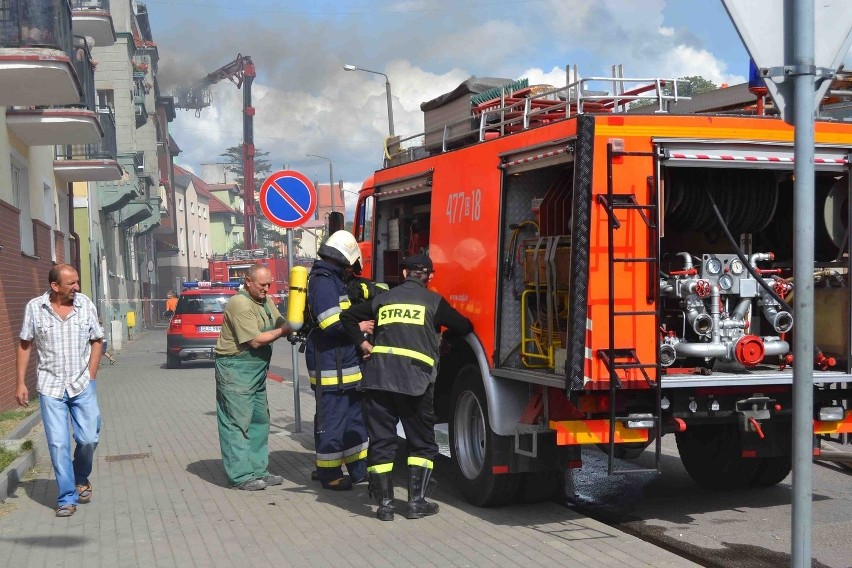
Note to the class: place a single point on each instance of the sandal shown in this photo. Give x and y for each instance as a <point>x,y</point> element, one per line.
<point>84,493</point>
<point>66,510</point>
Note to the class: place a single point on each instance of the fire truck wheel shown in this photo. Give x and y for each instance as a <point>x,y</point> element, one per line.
<point>773,470</point>
<point>172,361</point>
<point>474,443</point>
<point>711,456</point>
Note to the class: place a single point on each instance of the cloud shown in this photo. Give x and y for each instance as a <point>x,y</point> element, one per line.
<point>307,104</point>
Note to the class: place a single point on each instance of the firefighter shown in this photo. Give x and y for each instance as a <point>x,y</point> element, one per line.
<point>334,367</point>
<point>399,377</point>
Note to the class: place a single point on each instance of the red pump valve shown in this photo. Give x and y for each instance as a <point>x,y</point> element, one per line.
<point>824,362</point>
<point>702,288</point>
<point>749,350</point>
<point>781,287</point>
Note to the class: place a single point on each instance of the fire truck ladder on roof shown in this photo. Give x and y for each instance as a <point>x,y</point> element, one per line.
<point>625,358</point>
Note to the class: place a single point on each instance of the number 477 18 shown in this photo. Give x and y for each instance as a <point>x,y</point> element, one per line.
<point>463,205</point>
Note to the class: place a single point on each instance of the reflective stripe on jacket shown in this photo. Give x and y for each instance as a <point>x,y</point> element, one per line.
<point>405,346</point>
<point>328,346</point>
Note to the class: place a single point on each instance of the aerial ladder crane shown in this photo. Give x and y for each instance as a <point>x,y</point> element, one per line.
<point>241,72</point>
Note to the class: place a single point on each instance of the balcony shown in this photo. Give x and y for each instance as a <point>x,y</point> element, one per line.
<point>92,18</point>
<point>74,124</point>
<point>135,212</point>
<point>36,54</point>
<point>152,222</point>
<point>140,91</point>
<point>113,195</point>
<point>90,162</point>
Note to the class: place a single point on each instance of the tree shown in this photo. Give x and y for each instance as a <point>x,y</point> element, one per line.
<point>233,158</point>
<point>694,85</point>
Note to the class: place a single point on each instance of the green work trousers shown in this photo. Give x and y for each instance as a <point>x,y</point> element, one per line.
<point>242,411</point>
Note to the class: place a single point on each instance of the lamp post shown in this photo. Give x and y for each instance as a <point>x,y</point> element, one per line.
<point>348,67</point>
<point>330,177</point>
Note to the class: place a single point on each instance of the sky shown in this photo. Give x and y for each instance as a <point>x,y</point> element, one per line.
<point>307,104</point>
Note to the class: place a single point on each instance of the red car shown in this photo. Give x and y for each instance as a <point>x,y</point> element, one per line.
<point>195,325</point>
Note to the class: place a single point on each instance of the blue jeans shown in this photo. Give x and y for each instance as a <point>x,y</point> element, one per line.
<point>86,420</point>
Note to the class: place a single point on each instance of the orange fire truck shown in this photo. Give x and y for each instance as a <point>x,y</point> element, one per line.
<point>628,275</point>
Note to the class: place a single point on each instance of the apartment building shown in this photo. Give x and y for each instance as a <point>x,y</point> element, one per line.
<point>192,223</point>
<point>81,169</point>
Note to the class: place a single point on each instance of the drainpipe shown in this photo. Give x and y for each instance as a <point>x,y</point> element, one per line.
<point>186,231</point>
<point>71,230</point>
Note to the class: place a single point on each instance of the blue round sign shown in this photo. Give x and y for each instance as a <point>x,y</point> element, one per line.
<point>288,199</point>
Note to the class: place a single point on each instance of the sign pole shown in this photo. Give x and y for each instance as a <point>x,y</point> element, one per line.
<point>804,71</point>
<point>288,199</point>
<point>297,412</point>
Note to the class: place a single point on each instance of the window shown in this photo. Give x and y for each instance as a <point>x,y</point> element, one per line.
<point>192,207</point>
<point>106,99</point>
<point>21,194</point>
<point>364,220</point>
<point>180,204</point>
<point>194,243</point>
<point>181,242</point>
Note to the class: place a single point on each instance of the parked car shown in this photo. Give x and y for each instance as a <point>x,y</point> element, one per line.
<point>195,325</point>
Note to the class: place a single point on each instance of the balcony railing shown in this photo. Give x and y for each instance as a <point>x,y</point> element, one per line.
<point>90,5</point>
<point>82,61</point>
<point>36,23</point>
<point>106,149</point>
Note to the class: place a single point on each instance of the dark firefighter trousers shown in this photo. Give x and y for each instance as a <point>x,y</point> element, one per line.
<point>342,437</point>
<point>382,411</point>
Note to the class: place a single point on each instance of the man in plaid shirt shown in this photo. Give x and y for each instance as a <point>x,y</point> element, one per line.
<point>63,324</point>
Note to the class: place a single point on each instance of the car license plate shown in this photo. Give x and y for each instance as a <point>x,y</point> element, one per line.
<point>209,328</point>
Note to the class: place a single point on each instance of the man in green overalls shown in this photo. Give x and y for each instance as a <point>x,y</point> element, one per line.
<point>251,324</point>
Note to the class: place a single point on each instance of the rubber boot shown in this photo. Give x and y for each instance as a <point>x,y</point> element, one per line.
<point>418,481</point>
<point>380,488</point>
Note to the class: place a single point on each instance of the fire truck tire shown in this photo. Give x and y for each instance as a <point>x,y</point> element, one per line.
<point>773,471</point>
<point>172,361</point>
<point>711,456</point>
<point>473,444</point>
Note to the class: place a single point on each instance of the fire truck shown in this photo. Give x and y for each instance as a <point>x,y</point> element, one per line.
<point>232,267</point>
<point>628,274</point>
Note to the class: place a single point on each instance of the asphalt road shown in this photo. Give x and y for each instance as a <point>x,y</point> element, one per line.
<point>730,529</point>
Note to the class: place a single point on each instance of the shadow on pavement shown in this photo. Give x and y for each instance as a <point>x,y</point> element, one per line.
<point>210,471</point>
<point>42,491</point>
<point>48,541</point>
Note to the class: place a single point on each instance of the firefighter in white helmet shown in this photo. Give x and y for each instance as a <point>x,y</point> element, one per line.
<point>334,366</point>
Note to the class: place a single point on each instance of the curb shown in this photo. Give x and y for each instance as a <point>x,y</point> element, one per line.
<point>11,476</point>
<point>22,429</point>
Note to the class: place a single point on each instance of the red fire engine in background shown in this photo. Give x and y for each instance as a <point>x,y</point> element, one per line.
<point>233,267</point>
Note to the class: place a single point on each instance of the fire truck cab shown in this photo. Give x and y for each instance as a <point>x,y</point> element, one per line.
<point>628,276</point>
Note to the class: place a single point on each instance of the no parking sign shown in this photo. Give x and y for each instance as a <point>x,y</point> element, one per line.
<point>288,199</point>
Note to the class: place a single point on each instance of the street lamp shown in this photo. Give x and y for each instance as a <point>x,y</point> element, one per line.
<point>348,67</point>
<point>330,177</point>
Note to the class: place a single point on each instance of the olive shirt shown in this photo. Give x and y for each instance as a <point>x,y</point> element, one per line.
<point>244,320</point>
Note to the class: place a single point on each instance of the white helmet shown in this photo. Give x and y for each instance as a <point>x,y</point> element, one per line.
<point>341,246</point>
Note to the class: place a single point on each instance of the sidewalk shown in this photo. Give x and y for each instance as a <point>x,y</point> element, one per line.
<point>160,497</point>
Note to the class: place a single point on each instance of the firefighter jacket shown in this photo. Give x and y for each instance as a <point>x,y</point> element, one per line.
<point>330,353</point>
<point>406,336</point>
